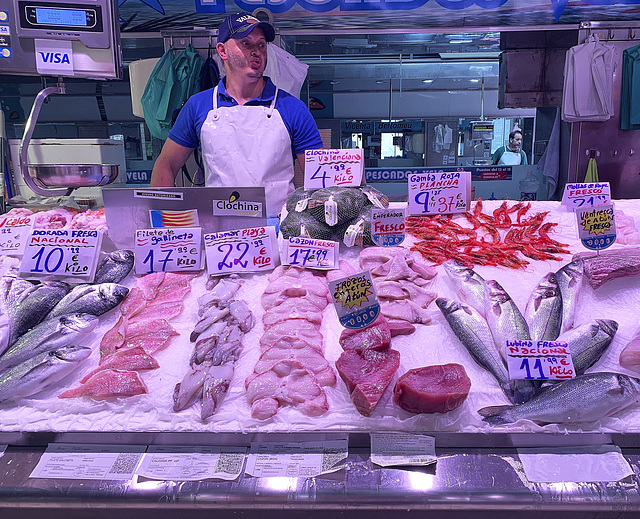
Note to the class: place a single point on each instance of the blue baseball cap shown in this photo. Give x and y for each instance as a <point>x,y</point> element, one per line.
<point>240,25</point>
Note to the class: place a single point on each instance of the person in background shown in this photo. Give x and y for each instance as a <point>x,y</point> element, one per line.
<point>511,154</point>
<point>248,130</point>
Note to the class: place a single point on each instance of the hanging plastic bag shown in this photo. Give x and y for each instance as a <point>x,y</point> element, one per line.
<point>172,81</point>
<point>286,71</point>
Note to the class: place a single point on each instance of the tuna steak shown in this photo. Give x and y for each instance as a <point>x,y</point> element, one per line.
<point>432,389</point>
<point>377,336</point>
<point>367,373</point>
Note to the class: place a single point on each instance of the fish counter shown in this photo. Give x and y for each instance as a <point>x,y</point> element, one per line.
<point>265,353</point>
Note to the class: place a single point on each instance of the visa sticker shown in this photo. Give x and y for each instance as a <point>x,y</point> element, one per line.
<point>54,57</point>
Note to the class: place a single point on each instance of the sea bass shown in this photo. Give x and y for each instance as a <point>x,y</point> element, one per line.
<point>543,312</point>
<point>586,398</point>
<point>503,316</point>
<point>41,371</point>
<point>49,335</point>
<point>468,284</point>
<point>90,299</point>
<point>588,342</point>
<point>114,267</point>
<point>569,280</point>
<point>473,332</point>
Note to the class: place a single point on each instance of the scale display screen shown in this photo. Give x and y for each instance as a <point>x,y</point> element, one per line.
<point>63,17</point>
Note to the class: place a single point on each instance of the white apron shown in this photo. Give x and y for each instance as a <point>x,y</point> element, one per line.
<point>248,146</point>
<point>510,158</point>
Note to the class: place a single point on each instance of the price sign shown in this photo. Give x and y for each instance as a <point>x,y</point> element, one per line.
<point>243,250</point>
<point>539,360</point>
<point>439,193</point>
<point>586,195</point>
<point>14,232</point>
<point>387,227</point>
<point>62,254</point>
<point>168,250</point>
<point>310,253</point>
<point>597,227</point>
<point>324,168</point>
<point>355,300</point>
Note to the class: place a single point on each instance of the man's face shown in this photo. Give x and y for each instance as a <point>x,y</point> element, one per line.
<point>516,141</point>
<point>247,55</point>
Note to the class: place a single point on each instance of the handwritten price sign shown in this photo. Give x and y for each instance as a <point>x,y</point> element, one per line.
<point>62,254</point>
<point>355,300</point>
<point>387,227</point>
<point>243,250</point>
<point>168,250</point>
<point>324,168</point>
<point>14,232</point>
<point>439,193</point>
<point>539,360</point>
<point>597,227</point>
<point>586,195</point>
<point>310,253</point>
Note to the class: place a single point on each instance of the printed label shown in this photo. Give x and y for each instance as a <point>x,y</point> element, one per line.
<point>388,226</point>
<point>54,57</point>
<point>597,227</point>
<point>355,300</point>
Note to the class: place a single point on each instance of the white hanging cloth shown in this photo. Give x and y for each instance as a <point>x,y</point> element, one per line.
<point>588,82</point>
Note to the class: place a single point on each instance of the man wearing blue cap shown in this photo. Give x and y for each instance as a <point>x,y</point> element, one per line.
<point>249,131</point>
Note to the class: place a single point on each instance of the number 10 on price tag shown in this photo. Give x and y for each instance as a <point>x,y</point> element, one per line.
<point>61,254</point>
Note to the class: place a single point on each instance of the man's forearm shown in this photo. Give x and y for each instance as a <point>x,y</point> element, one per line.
<point>162,176</point>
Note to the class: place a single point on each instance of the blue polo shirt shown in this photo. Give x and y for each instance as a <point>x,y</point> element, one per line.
<point>295,115</point>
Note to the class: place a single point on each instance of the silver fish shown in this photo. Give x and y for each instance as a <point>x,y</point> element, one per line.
<point>543,312</point>
<point>32,306</point>
<point>504,318</point>
<point>473,332</point>
<point>214,388</point>
<point>585,398</point>
<point>90,299</point>
<point>569,280</point>
<point>114,267</point>
<point>588,342</point>
<point>40,372</point>
<point>467,284</point>
<point>49,335</point>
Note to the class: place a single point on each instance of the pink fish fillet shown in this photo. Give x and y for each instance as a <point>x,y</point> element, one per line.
<point>109,383</point>
<point>405,310</point>
<point>293,308</point>
<point>170,294</point>
<point>164,311</point>
<point>113,338</point>
<point>150,342</point>
<point>149,283</point>
<point>149,326</point>
<point>286,383</point>
<point>134,303</point>
<point>377,336</point>
<point>129,359</point>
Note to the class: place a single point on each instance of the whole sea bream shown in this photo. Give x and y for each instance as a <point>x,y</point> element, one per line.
<point>468,284</point>
<point>49,335</point>
<point>503,316</point>
<point>27,304</point>
<point>569,280</point>
<point>90,299</point>
<point>585,398</point>
<point>114,267</point>
<point>41,371</point>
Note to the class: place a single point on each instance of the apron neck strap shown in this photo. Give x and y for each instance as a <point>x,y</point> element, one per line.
<point>215,98</point>
<point>272,106</point>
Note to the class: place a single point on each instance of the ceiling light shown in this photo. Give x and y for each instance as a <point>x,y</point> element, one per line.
<point>380,81</point>
<point>336,82</point>
<point>474,80</point>
<point>460,41</point>
<point>427,80</point>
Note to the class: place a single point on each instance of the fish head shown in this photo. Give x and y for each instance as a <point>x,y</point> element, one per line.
<point>446,306</point>
<point>608,326</point>
<point>574,271</point>
<point>494,293</point>
<point>113,292</point>
<point>78,322</point>
<point>629,386</point>
<point>71,353</point>
<point>122,256</point>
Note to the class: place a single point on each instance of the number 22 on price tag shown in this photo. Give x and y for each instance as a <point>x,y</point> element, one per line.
<point>243,250</point>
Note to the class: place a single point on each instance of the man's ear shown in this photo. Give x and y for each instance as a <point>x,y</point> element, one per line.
<point>222,51</point>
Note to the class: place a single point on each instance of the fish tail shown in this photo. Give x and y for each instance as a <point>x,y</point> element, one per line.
<point>495,419</point>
